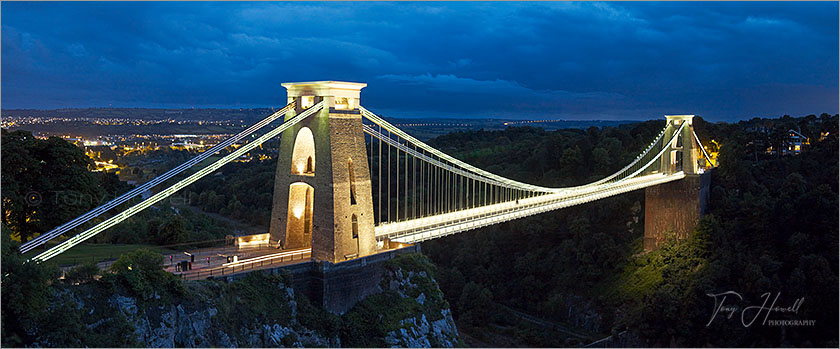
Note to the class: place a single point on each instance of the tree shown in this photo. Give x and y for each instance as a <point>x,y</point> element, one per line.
<point>172,231</point>
<point>47,183</point>
<point>142,272</point>
<point>601,158</point>
<point>476,304</point>
<point>82,274</point>
<point>571,162</point>
<point>26,293</point>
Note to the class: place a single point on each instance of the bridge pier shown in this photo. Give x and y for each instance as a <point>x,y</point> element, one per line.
<point>674,208</point>
<point>337,287</point>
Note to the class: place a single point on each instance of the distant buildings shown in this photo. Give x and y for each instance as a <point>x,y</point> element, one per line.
<point>186,145</point>
<point>95,143</point>
<point>795,143</point>
<point>792,143</point>
<point>105,166</point>
<point>243,158</point>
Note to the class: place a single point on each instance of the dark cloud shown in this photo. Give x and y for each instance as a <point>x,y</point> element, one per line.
<point>573,60</point>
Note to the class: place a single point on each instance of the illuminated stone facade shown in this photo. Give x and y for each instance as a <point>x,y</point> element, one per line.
<point>315,202</point>
<point>683,153</point>
<point>673,209</point>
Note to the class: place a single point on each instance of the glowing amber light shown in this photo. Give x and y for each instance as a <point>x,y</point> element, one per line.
<point>298,198</point>
<point>307,101</point>
<point>303,153</point>
<point>250,240</point>
<point>345,103</point>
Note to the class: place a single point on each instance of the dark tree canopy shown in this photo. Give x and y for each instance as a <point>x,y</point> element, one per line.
<point>772,227</point>
<point>47,182</point>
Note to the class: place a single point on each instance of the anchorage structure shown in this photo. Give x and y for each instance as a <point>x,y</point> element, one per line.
<point>349,183</point>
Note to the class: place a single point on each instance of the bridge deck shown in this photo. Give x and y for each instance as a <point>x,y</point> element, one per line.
<point>212,262</point>
<point>426,228</point>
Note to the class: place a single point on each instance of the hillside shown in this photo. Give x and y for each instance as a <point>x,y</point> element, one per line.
<point>139,305</point>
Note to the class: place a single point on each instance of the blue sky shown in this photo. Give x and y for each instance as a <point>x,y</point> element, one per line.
<point>722,60</point>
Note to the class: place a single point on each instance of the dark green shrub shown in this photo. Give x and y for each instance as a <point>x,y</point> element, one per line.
<point>82,274</point>
<point>142,272</point>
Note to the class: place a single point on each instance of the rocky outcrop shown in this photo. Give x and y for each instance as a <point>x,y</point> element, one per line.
<point>174,326</point>
<point>419,330</point>
<point>191,321</point>
<point>196,325</point>
<point>258,310</point>
<point>422,333</point>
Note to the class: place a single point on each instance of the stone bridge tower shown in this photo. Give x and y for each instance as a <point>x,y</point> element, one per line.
<point>322,190</point>
<point>675,207</point>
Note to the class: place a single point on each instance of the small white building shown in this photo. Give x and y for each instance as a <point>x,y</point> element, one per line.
<point>795,142</point>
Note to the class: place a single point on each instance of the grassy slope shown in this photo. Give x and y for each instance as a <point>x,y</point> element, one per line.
<point>95,252</point>
<point>630,283</point>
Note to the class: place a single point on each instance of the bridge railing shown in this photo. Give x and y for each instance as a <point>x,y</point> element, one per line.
<point>244,266</point>
<point>448,186</point>
<point>441,221</point>
<point>407,232</point>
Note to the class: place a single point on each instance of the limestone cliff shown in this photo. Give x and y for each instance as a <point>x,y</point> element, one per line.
<point>259,310</point>
<point>418,330</point>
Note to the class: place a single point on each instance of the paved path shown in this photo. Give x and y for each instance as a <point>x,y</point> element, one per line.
<point>216,255</point>
<point>248,259</point>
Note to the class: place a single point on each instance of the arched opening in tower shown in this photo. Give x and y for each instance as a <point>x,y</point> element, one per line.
<point>352,179</point>
<point>299,218</point>
<point>303,153</point>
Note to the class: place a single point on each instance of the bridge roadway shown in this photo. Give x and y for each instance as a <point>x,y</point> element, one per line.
<point>416,230</point>
<point>420,229</point>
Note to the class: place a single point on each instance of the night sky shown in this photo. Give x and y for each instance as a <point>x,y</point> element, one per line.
<point>725,61</point>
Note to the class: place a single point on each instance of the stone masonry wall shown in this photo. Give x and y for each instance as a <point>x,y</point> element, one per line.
<point>674,207</point>
<point>337,287</point>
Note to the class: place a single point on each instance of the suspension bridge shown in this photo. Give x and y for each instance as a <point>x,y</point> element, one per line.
<point>350,184</point>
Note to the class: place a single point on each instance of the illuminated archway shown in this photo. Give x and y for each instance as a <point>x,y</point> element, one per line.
<point>303,153</point>
<point>299,218</point>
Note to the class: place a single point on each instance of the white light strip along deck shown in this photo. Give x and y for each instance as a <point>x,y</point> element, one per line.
<point>417,230</point>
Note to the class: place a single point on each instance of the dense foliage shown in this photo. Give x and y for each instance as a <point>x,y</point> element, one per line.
<point>48,182</point>
<point>167,225</point>
<point>26,293</point>
<point>241,191</point>
<point>82,309</point>
<point>142,273</point>
<point>559,158</point>
<point>527,264</point>
<point>772,228</point>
